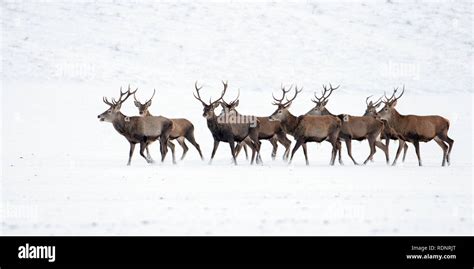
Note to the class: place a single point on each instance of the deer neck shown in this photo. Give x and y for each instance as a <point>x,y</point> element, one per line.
<point>396,119</point>
<point>121,124</point>
<point>148,114</point>
<point>290,123</point>
<point>212,122</point>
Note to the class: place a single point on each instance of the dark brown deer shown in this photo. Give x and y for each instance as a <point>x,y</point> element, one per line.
<point>306,128</point>
<point>227,132</point>
<point>416,129</point>
<point>182,128</point>
<point>353,127</point>
<point>137,129</point>
<point>267,130</point>
<point>388,132</point>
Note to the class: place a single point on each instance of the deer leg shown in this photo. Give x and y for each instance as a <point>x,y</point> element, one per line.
<point>130,154</point>
<point>232,151</point>
<point>444,147</point>
<point>192,140</point>
<point>295,148</point>
<point>256,143</point>
<point>339,149</point>
<point>246,152</point>
<point>286,143</point>
<point>416,143</point>
<point>172,147</point>
<point>164,148</point>
<point>142,151</point>
<point>384,148</point>
<point>238,148</point>
<point>305,151</point>
<point>216,145</point>
<point>349,150</point>
<point>148,155</point>
<point>335,149</point>
<point>372,149</point>
<point>405,148</point>
<point>450,142</point>
<point>401,144</point>
<point>274,143</point>
<point>183,145</point>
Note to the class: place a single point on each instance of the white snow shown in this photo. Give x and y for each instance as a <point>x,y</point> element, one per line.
<point>64,172</point>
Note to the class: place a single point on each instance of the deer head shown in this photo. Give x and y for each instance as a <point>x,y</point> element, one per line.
<point>208,109</point>
<point>386,112</point>
<point>231,106</point>
<point>143,107</point>
<point>321,102</point>
<point>281,113</point>
<point>371,109</point>
<point>110,114</point>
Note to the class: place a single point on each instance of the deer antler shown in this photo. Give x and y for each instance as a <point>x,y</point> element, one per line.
<point>126,94</point>
<point>278,101</point>
<point>120,101</point>
<point>396,98</point>
<point>198,97</point>
<point>387,100</point>
<point>233,102</point>
<point>294,97</point>
<point>372,103</point>
<point>324,91</point>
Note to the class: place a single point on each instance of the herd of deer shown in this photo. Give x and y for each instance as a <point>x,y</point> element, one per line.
<point>317,125</point>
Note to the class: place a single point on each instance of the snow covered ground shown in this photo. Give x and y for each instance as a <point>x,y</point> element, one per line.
<point>64,173</point>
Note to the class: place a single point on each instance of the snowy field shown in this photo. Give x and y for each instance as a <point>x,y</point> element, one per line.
<point>64,172</point>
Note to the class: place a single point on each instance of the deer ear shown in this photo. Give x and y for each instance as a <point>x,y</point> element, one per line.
<point>148,103</point>
<point>325,102</point>
<point>378,105</point>
<point>393,104</point>
<point>137,104</point>
<point>236,103</point>
<point>287,105</point>
<point>216,105</point>
<point>370,103</point>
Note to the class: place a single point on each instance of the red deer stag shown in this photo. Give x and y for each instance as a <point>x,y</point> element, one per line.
<point>416,129</point>
<point>353,127</point>
<point>137,129</point>
<point>182,128</point>
<point>267,130</point>
<point>306,128</point>
<point>388,132</point>
<point>227,132</point>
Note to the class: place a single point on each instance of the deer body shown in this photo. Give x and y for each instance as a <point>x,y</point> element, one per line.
<point>307,128</point>
<point>137,129</point>
<point>388,132</point>
<point>352,127</point>
<point>416,129</point>
<point>228,132</point>
<point>267,130</point>
<point>182,129</point>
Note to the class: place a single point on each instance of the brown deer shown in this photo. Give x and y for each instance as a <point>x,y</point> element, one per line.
<point>267,130</point>
<point>416,129</point>
<point>137,129</point>
<point>182,128</point>
<point>353,127</point>
<point>306,128</point>
<point>223,131</point>
<point>388,132</point>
